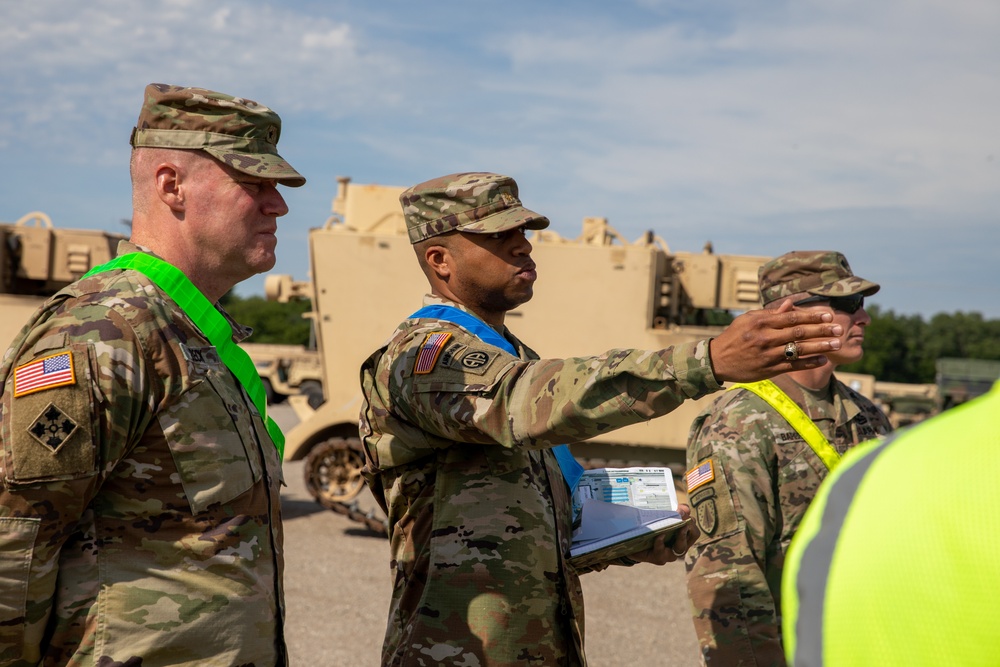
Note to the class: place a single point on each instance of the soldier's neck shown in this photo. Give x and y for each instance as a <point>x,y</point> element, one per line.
<point>814,378</point>
<point>493,318</point>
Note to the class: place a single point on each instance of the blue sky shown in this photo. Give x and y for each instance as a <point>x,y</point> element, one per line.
<point>763,127</point>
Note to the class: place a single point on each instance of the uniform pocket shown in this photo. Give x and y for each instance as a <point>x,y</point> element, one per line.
<point>210,433</point>
<point>17,540</point>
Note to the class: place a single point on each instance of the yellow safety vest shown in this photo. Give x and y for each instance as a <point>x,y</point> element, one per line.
<point>886,570</point>
<point>793,414</point>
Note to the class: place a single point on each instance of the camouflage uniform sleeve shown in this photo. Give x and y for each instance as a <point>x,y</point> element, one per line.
<point>73,393</point>
<point>734,501</point>
<point>477,393</point>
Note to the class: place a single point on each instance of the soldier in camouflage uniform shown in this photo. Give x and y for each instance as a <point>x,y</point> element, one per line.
<point>139,515</point>
<point>461,423</point>
<point>755,469</point>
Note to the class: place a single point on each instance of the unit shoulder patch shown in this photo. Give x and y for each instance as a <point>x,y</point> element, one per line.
<point>469,359</point>
<point>49,435</point>
<point>711,501</point>
<point>705,511</point>
<point>52,427</point>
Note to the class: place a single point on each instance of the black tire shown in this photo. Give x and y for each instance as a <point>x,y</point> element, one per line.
<point>332,471</point>
<point>273,397</point>
<point>313,390</point>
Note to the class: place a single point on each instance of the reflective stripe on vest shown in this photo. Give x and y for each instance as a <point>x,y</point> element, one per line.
<point>885,571</point>
<point>571,469</point>
<point>796,418</point>
<point>209,321</point>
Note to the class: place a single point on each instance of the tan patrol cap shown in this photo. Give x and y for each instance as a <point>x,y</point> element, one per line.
<point>234,130</point>
<point>471,202</point>
<point>820,272</point>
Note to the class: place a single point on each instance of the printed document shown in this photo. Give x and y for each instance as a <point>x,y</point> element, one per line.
<point>621,511</point>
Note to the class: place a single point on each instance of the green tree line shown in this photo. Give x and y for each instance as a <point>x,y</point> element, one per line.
<point>272,322</point>
<point>903,348</point>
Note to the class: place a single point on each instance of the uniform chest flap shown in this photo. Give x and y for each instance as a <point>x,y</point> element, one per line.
<point>213,432</point>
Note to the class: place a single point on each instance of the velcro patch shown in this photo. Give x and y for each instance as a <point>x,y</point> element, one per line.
<point>52,428</point>
<point>55,370</point>
<point>50,435</point>
<point>699,476</point>
<point>430,351</point>
<point>705,511</point>
<point>468,359</point>
<point>474,359</point>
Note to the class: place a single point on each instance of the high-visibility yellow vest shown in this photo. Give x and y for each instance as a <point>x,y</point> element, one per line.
<point>897,561</point>
<point>796,418</point>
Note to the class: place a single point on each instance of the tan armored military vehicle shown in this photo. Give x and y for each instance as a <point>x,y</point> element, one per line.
<point>288,370</point>
<point>37,260</point>
<point>596,292</point>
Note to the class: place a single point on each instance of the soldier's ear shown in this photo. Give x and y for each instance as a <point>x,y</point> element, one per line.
<point>438,259</point>
<point>168,178</point>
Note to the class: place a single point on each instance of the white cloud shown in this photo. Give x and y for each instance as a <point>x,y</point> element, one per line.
<point>835,123</point>
<point>335,38</point>
<point>89,59</point>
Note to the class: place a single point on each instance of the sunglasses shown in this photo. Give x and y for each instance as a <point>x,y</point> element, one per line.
<point>845,304</point>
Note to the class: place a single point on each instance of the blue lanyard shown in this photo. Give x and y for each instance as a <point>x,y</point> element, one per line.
<point>571,469</point>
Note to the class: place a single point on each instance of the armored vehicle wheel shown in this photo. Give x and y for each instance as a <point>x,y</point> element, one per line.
<point>333,471</point>
<point>313,390</point>
<point>273,398</point>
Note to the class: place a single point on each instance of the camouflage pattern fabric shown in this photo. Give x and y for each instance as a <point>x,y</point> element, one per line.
<point>459,457</point>
<point>819,272</point>
<point>765,476</point>
<point>234,130</point>
<point>472,202</point>
<point>139,491</point>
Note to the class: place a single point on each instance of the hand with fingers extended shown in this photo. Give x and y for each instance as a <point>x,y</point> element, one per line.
<point>760,344</point>
<point>670,548</point>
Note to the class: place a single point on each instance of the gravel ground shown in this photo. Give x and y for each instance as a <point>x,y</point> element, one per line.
<point>337,593</point>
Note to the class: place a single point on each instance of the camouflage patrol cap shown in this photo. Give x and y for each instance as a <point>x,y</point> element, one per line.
<point>820,272</point>
<point>473,202</point>
<point>234,130</point>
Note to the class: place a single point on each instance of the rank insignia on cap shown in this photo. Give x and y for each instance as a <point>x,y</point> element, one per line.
<point>703,474</point>
<point>52,371</point>
<point>430,351</point>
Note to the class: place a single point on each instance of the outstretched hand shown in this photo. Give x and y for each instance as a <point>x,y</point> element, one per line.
<point>670,548</point>
<point>753,347</point>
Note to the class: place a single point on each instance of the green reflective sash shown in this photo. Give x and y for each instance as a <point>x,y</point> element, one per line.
<point>209,321</point>
<point>793,414</point>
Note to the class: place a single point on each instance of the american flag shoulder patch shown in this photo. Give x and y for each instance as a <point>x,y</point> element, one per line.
<point>55,370</point>
<point>703,474</point>
<point>430,350</point>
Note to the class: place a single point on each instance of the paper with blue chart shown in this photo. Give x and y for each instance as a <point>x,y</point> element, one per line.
<point>620,511</point>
